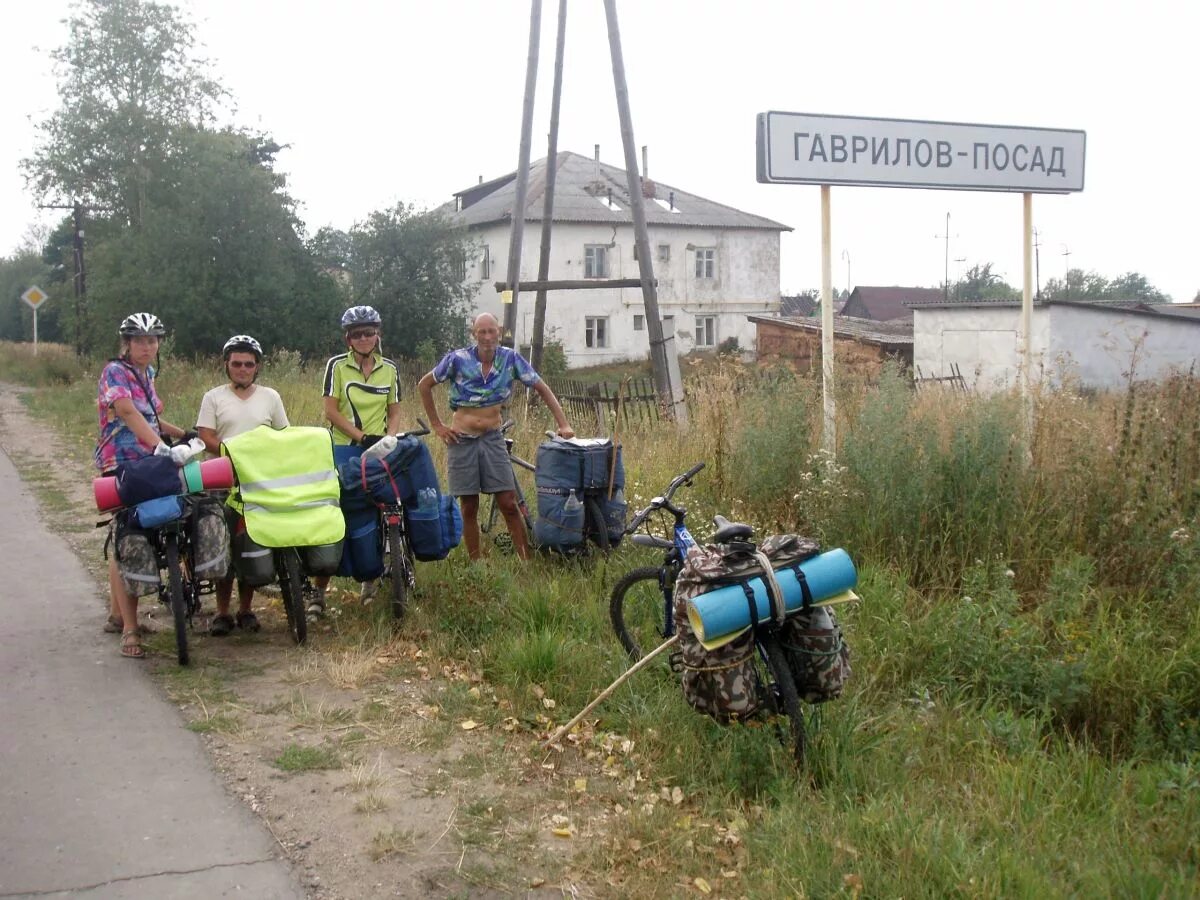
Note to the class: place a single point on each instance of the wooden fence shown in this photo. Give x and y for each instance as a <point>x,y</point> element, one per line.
<point>634,398</point>
<point>954,380</point>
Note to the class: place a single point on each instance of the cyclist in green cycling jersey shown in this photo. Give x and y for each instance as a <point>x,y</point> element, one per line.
<point>361,399</point>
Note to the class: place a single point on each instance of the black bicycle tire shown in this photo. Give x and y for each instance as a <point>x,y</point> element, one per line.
<point>616,609</point>
<point>179,610</point>
<point>599,528</point>
<point>400,567</point>
<point>292,588</point>
<point>789,697</point>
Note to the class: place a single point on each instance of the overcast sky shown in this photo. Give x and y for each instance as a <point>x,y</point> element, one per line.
<point>411,101</point>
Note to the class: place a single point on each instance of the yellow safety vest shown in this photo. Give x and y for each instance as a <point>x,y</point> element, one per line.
<point>286,486</point>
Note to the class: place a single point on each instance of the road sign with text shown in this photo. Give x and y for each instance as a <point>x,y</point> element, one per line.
<point>801,148</point>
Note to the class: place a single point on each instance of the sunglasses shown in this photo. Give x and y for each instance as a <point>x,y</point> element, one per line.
<point>365,333</point>
<point>239,364</point>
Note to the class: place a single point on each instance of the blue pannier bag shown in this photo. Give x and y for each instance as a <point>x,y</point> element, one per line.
<point>559,524</point>
<point>362,548</point>
<point>586,466</point>
<point>147,478</point>
<point>159,511</point>
<point>406,474</point>
<point>434,525</point>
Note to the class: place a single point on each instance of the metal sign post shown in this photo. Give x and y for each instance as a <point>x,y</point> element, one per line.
<point>802,148</point>
<point>34,297</point>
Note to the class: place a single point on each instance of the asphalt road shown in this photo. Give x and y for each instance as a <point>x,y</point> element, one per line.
<point>103,792</point>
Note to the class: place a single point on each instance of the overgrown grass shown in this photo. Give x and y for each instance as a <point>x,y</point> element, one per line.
<point>1024,716</point>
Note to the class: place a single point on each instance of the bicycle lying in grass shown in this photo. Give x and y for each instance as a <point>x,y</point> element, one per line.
<point>642,611</point>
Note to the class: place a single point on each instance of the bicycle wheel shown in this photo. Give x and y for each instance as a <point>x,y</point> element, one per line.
<point>179,608</point>
<point>596,524</point>
<point>292,587</point>
<point>637,609</point>
<point>403,572</point>
<point>784,692</point>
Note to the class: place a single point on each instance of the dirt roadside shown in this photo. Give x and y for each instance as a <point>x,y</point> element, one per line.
<point>371,764</point>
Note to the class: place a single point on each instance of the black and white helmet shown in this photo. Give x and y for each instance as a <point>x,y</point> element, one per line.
<point>360,315</point>
<point>142,323</point>
<point>242,343</point>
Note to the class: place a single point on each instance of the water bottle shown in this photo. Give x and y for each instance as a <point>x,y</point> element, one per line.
<point>573,504</point>
<point>382,447</point>
<point>427,504</point>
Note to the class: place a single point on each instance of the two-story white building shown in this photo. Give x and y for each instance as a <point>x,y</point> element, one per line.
<point>715,265</point>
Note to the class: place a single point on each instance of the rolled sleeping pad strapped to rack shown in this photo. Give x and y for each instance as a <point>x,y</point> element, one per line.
<point>210,475</point>
<point>720,614</point>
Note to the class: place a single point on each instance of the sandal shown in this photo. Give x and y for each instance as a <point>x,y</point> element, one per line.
<point>220,626</point>
<point>248,621</point>
<point>131,646</point>
<point>115,626</point>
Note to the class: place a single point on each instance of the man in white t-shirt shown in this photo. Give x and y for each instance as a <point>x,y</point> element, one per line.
<point>226,411</point>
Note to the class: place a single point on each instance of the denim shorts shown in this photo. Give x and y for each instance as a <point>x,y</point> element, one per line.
<point>478,464</point>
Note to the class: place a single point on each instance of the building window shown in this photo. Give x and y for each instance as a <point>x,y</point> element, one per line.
<point>595,261</point>
<point>706,262</point>
<point>668,326</point>
<point>706,331</point>
<point>664,252</point>
<point>639,322</point>
<point>485,263</point>
<point>596,334</point>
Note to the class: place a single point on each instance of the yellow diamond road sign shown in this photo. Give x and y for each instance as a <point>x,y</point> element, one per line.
<point>35,297</point>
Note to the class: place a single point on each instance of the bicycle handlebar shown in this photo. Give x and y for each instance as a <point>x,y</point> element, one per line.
<point>664,502</point>
<point>416,432</point>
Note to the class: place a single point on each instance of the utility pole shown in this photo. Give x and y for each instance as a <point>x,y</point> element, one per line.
<point>508,338</point>
<point>846,257</point>
<point>1066,255</point>
<point>537,340</point>
<point>80,275</point>
<point>663,357</point>
<point>946,279</point>
<point>1037,263</point>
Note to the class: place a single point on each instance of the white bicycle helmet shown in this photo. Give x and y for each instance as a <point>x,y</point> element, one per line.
<point>142,323</point>
<point>360,315</point>
<point>242,343</point>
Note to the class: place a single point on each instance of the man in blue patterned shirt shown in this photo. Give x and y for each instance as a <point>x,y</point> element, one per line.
<point>481,380</point>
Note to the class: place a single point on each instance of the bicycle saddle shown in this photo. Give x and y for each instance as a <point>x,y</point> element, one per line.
<point>730,531</point>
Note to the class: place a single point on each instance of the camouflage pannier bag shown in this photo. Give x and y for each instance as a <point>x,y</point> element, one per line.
<point>209,540</point>
<point>724,682</point>
<point>136,560</point>
<point>817,654</point>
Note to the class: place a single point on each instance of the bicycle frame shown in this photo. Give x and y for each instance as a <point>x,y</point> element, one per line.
<point>493,516</point>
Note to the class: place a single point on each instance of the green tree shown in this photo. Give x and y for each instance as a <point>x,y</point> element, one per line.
<point>129,86</point>
<point>1091,286</point>
<point>981,283</point>
<point>409,265</point>
<point>219,253</point>
<point>17,274</point>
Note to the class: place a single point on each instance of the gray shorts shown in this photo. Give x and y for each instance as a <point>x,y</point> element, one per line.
<point>478,464</point>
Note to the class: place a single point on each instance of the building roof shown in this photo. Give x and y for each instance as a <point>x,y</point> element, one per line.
<point>892,334</point>
<point>798,305</point>
<point>885,303</point>
<point>1187,310</point>
<point>593,192</point>
<point>1124,307</point>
